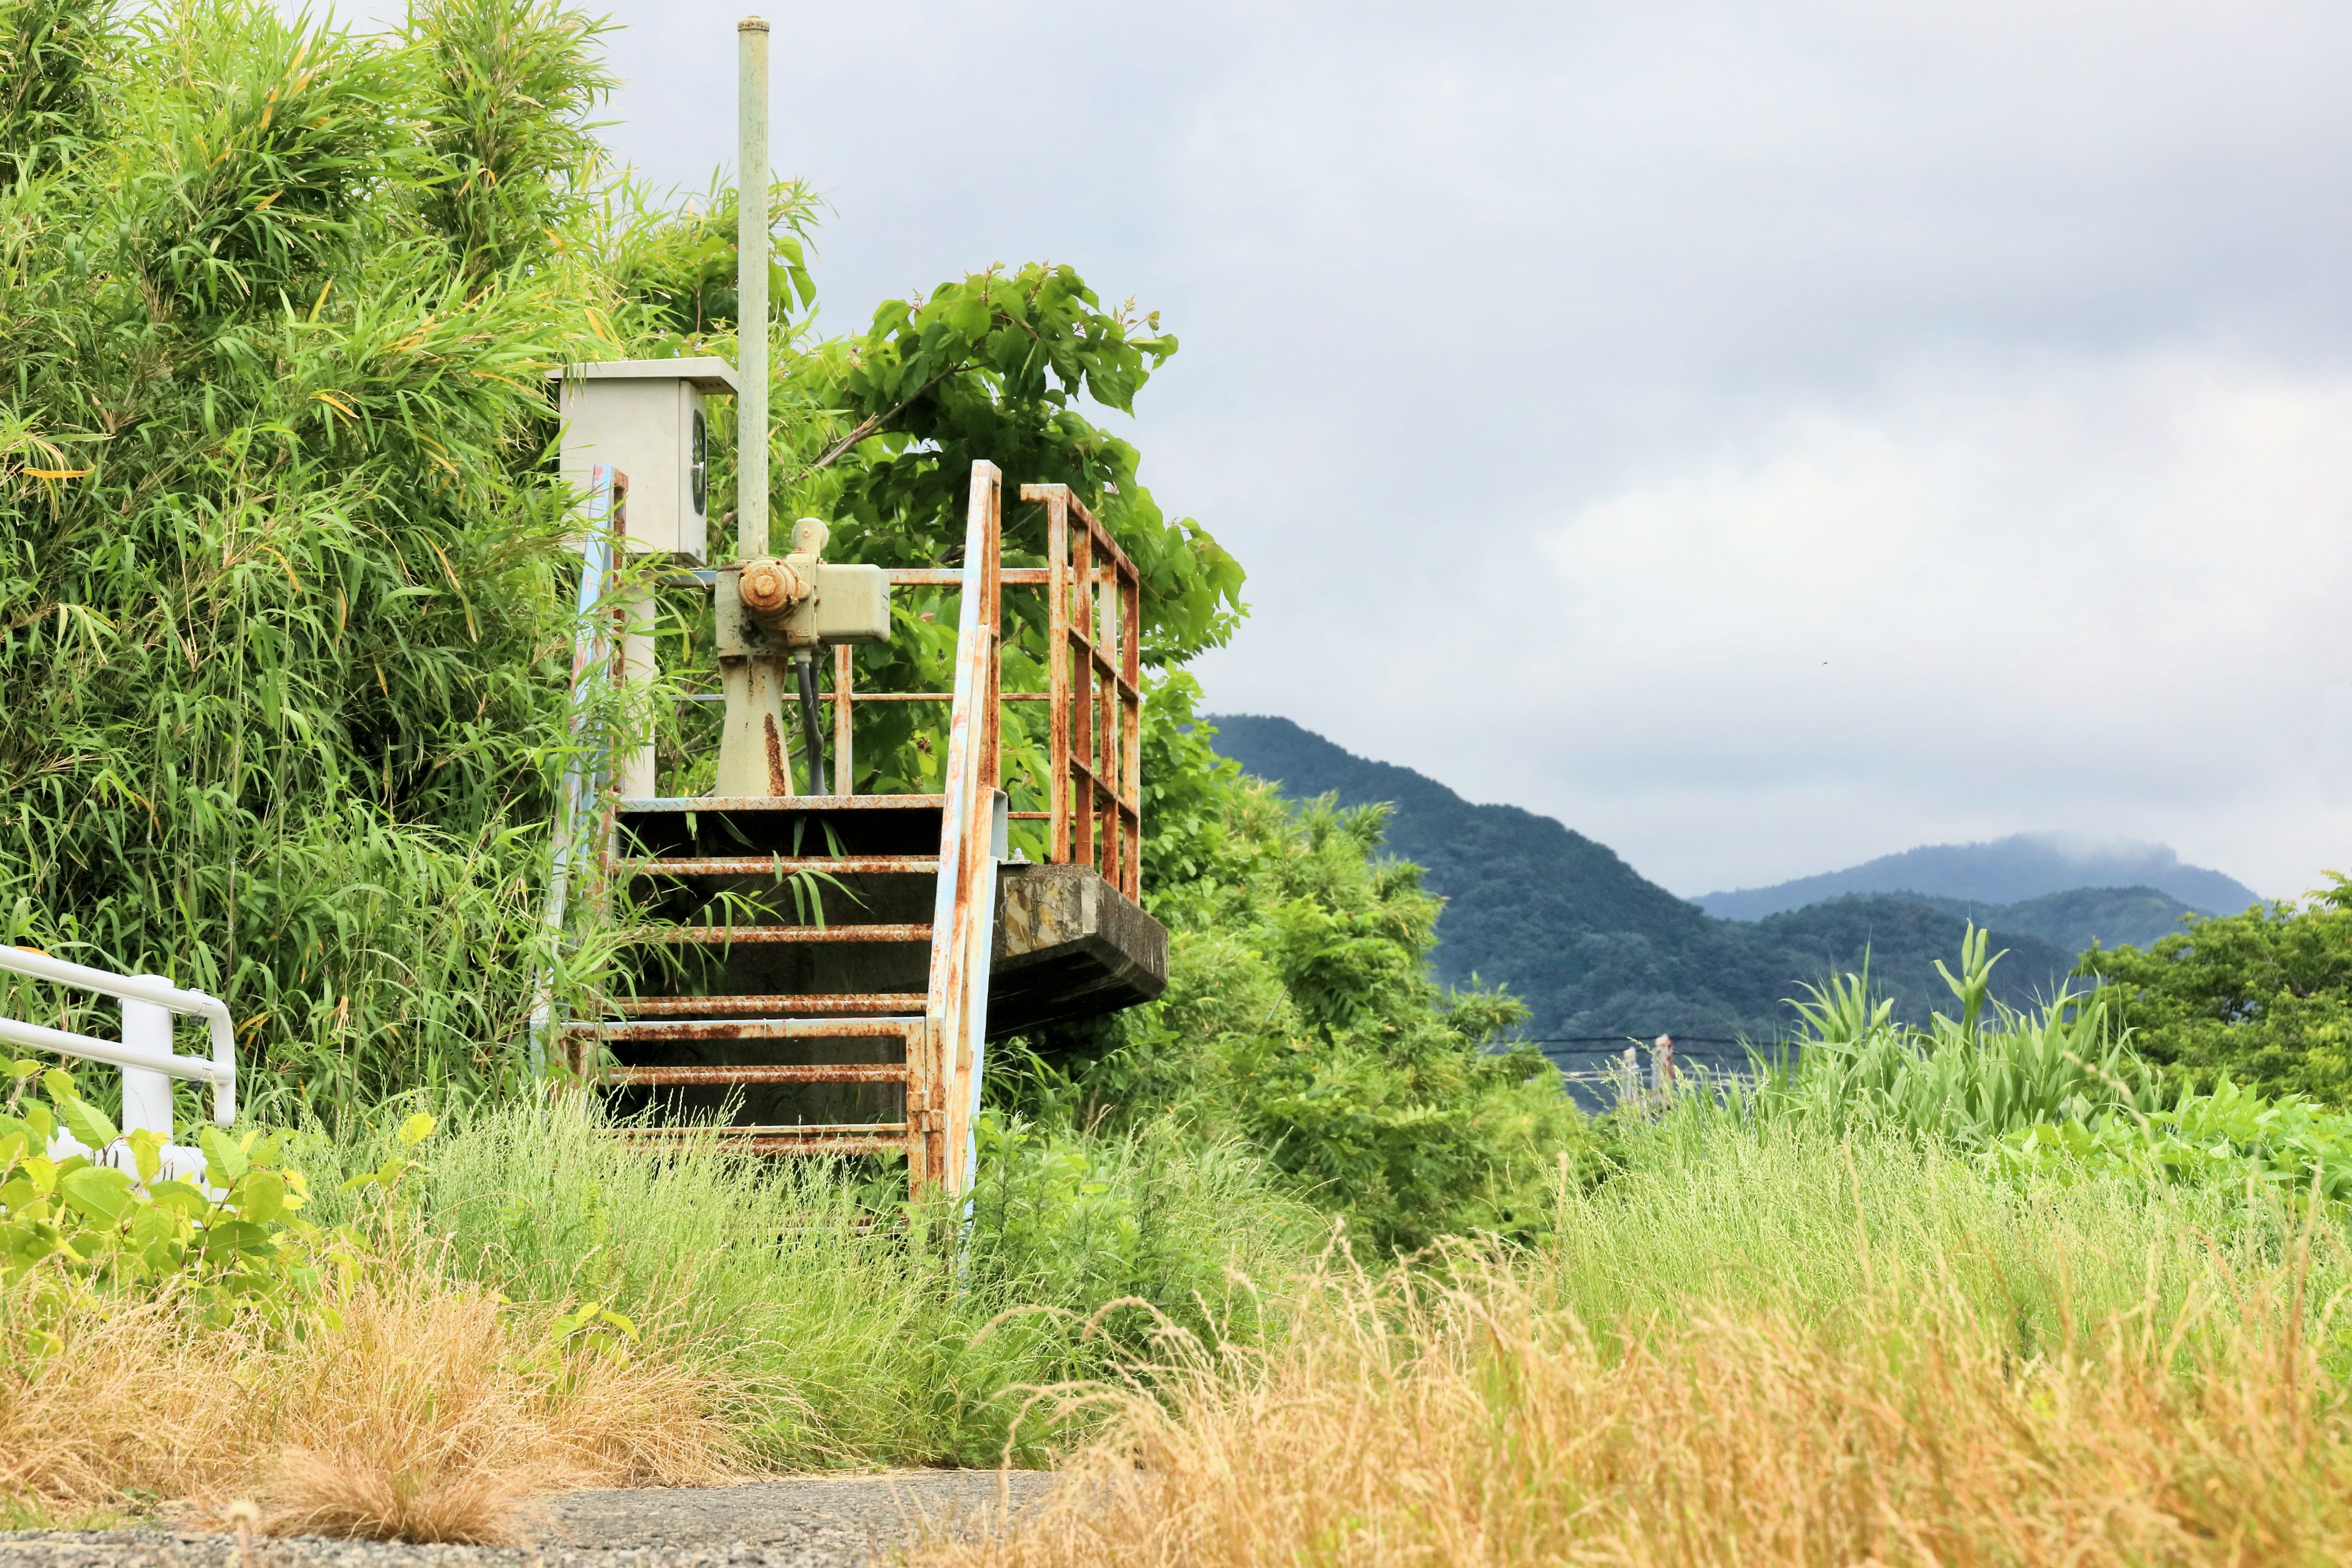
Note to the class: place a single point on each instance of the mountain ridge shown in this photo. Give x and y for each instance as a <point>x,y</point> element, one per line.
<point>1595,947</point>
<point>1998,872</point>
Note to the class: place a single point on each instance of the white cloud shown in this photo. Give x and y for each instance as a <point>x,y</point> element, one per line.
<point>2089,593</point>
<point>1575,380</point>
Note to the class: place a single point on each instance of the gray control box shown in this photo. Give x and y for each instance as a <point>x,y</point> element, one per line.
<point>645,417</point>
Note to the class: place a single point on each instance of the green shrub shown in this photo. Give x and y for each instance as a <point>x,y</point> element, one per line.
<point>2058,1093</point>
<point>1301,1018</point>
<point>2264,998</point>
<point>70,1226</point>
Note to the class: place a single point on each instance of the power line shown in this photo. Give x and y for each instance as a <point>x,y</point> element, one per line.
<point>1627,1040</point>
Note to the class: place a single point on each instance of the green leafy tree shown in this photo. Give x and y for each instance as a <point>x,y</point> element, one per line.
<point>1300,1014</point>
<point>2264,997</point>
<point>877,433</point>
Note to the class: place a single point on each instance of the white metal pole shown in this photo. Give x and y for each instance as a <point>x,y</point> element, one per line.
<point>147,1095</point>
<point>751,290</point>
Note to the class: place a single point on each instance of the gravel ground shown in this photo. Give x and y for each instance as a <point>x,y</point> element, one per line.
<point>819,1522</point>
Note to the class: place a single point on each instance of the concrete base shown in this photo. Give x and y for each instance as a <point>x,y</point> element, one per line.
<point>1068,946</point>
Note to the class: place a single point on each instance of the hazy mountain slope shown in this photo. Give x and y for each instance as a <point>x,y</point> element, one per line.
<point>2010,871</point>
<point>2075,919</point>
<point>1901,938</point>
<point>1594,947</point>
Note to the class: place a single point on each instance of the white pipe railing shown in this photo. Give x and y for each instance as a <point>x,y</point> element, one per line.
<point>144,1048</point>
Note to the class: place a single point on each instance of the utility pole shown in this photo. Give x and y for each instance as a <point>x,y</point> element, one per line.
<point>752,754</point>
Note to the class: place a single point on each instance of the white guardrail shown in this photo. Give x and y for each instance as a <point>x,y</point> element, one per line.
<point>144,1052</point>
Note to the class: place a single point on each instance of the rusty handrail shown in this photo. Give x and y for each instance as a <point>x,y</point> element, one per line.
<point>964,924</point>
<point>1095,660</point>
<point>1095,783</point>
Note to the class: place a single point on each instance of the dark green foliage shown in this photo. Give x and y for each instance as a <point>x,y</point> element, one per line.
<point>1301,1017</point>
<point>1591,945</point>
<point>283,621</point>
<point>1596,949</point>
<point>54,55</point>
<point>2080,917</point>
<point>2264,997</point>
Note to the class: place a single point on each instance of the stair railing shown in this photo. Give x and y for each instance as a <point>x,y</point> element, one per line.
<point>598,640</point>
<point>963,921</point>
<point>1095,660</point>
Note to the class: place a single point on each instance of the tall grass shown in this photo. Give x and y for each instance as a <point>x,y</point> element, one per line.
<point>400,1401</point>
<point>834,1339</point>
<point>1776,1349</point>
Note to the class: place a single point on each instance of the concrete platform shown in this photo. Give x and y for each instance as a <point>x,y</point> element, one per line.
<point>1068,946</point>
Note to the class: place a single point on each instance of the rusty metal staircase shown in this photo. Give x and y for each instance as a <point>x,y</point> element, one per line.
<point>813,974</point>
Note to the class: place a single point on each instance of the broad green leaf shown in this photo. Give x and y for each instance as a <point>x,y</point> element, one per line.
<point>60,1085</point>
<point>262,1197</point>
<point>87,1122</point>
<point>103,1194</point>
<point>147,1152</point>
<point>181,1197</point>
<point>235,1235</point>
<point>223,1161</point>
<point>416,1130</point>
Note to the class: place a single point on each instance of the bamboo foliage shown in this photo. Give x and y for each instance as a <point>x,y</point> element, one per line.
<point>283,615</point>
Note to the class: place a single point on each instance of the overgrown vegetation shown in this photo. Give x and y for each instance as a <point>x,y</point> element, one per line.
<point>281,615</point>
<point>1780,1348</point>
<point>2263,997</point>
<point>1300,1016</point>
<point>284,627</point>
<point>283,587</point>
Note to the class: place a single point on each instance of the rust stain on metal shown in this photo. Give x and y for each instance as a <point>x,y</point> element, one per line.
<point>1092,815</point>
<point>826,1004</point>
<point>719,934</point>
<point>781,865</point>
<point>823,1072</point>
<point>749,1029</point>
<point>779,778</point>
<point>664,805</point>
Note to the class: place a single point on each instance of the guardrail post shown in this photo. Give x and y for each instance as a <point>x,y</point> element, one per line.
<point>147,1095</point>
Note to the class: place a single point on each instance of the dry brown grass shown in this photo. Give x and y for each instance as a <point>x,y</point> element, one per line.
<point>409,1407</point>
<point>1474,1424</point>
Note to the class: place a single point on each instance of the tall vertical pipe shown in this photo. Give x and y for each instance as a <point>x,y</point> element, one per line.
<point>752,288</point>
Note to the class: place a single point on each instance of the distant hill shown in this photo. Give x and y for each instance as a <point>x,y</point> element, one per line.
<point>2006,871</point>
<point>2078,917</point>
<point>1595,947</point>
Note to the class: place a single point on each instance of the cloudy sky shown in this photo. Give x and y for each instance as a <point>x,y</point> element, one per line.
<point>1763,437</point>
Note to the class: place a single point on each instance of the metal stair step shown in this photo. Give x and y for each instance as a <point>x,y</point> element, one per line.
<point>822,1004</point>
<point>666,1029</point>
<point>729,934</point>
<point>766,865</point>
<point>790,1138</point>
<point>650,805</point>
<point>796,1072</point>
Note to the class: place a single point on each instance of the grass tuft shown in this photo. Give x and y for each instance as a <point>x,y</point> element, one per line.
<point>405,1404</point>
